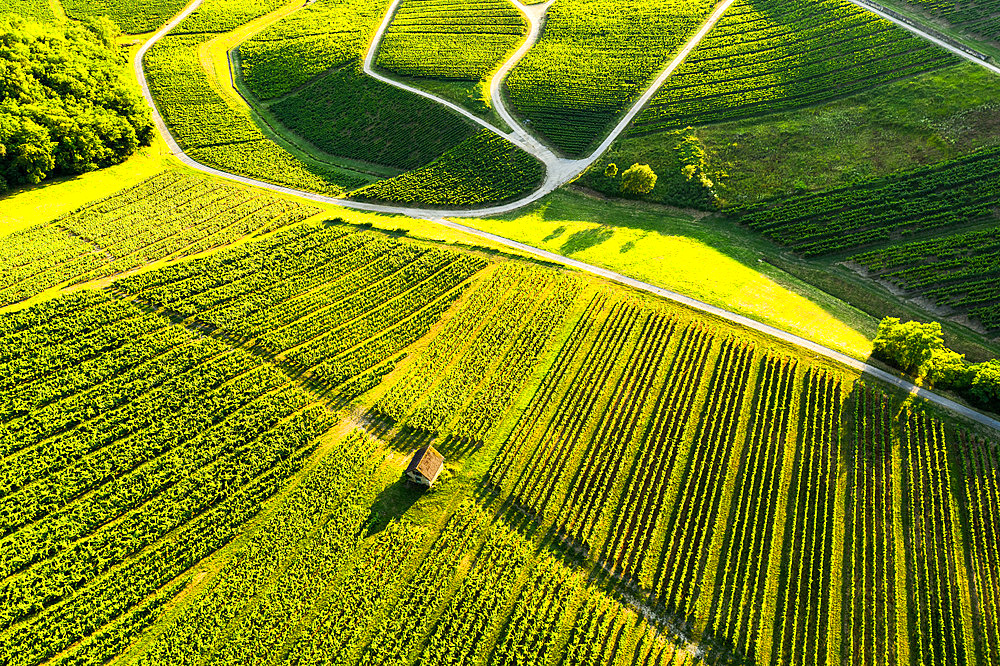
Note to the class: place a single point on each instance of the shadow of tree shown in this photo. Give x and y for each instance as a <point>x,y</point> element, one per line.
<point>581,240</point>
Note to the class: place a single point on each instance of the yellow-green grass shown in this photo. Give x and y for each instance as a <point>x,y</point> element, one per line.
<point>25,206</point>
<point>703,257</point>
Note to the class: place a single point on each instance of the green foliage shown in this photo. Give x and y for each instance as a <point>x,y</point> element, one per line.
<point>769,55</point>
<point>319,37</point>
<point>910,346</point>
<point>986,384</point>
<point>64,107</point>
<point>593,59</point>
<point>216,134</point>
<point>450,39</point>
<point>166,216</point>
<point>132,17</point>
<point>638,179</point>
<point>611,170</point>
<point>346,113</point>
<point>481,170</point>
<point>947,194</point>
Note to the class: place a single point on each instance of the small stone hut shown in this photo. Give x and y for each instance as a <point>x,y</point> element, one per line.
<point>425,467</point>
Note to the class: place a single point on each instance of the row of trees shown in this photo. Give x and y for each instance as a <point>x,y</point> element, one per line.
<point>64,105</point>
<point>918,349</point>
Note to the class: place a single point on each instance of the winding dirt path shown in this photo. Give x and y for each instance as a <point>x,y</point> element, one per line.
<point>559,171</point>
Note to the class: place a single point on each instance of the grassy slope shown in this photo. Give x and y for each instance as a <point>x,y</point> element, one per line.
<point>708,259</point>
<point>935,116</point>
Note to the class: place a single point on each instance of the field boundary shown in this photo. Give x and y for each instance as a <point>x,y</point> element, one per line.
<point>438,217</point>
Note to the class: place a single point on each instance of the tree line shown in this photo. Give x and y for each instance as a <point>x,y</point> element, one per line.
<point>65,107</point>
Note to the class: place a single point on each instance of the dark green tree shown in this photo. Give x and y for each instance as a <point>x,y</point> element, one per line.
<point>909,346</point>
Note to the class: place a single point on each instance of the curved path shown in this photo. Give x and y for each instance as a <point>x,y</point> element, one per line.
<point>438,216</point>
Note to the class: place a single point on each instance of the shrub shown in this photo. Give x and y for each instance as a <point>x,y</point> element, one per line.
<point>638,179</point>
<point>611,170</point>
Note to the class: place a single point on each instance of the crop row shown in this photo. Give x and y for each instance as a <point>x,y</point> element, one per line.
<point>593,59</point>
<point>450,39</point>
<point>168,215</point>
<point>133,19</point>
<point>947,194</point>
<point>957,270</point>
<point>483,169</point>
<point>318,522</point>
<point>768,56</point>
<point>219,135</point>
<point>308,42</point>
<point>870,601</point>
<point>979,17</point>
<point>495,351</point>
<point>319,299</point>
<point>139,460</point>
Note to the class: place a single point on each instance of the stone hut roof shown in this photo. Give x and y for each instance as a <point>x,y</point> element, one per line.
<point>427,462</point>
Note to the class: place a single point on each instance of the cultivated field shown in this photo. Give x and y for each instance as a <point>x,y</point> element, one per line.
<point>210,392</point>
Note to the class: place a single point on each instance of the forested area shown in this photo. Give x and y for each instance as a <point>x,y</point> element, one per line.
<point>64,105</point>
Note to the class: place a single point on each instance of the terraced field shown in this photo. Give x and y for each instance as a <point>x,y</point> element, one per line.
<point>771,55</point>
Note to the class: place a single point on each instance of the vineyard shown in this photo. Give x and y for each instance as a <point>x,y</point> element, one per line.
<point>209,128</point>
<point>132,18</point>
<point>319,37</point>
<point>978,17</point>
<point>958,271</point>
<point>470,374</point>
<point>927,199</point>
<point>774,508</point>
<point>483,169</point>
<point>450,39</point>
<point>401,595</point>
<point>36,9</point>
<point>131,449</point>
<point>771,55</point>
<point>322,301</point>
<point>593,59</point>
<point>167,216</point>
<point>306,70</point>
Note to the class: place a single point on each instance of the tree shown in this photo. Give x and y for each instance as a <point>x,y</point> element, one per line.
<point>948,369</point>
<point>986,383</point>
<point>638,179</point>
<point>909,346</point>
<point>611,170</point>
<point>65,106</point>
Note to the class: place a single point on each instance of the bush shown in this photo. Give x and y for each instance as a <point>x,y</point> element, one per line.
<point>638,179</point>
<point>64,107</point>
<point>909,346</point>
<point>611,170</point>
